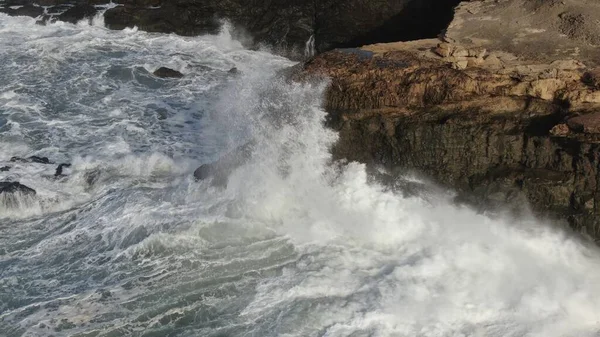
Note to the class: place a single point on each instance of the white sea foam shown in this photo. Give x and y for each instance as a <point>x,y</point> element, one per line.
<point>294,245</point>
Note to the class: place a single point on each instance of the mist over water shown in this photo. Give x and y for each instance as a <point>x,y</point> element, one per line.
<point>127,244</point>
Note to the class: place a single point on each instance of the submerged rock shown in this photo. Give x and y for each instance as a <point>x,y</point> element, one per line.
<point>220,170</point>
<point>91,177</point>
<point>4,168</point>
<point>164,72</point>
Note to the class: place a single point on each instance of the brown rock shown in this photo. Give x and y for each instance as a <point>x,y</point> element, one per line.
<point>560,130</point>
<point>589,123</point>
<point>592,78</point>
<point>494,130</point>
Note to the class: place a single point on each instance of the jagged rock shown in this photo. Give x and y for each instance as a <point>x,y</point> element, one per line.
<point>509,132</point>
<point>289,25</point>
<point>164,72</point>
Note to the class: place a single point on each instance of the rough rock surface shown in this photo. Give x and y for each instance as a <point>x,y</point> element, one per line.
<point>544,30</point>
<point>502,129</point>
<point>293,27</point>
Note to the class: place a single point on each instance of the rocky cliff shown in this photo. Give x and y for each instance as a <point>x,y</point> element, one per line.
<point>288,26</point>
<point>509,121</point>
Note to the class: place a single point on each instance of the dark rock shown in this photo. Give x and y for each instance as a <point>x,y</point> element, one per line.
<point>25,10</point>
<point>32,159</point>
<point>296,28</point>
<point>78,13</point>
<point>15,187</point>
<point>4,168</point>
<point>164,72</point>
<point>234,70</point>
<point>59,169</point>
<point>40,160</point>
<point>289,26</point>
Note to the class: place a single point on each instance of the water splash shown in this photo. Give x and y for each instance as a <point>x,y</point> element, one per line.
<point>310,49</point>
<point>294,245</point>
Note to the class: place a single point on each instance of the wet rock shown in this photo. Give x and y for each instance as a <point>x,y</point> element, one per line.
<point>32,159</point>
<point>234,70</point>
<point>14,187</point>
<point>220,170</point>
<point>60,168</point>
<point>290,25</point>
<point>4,168</point>
<point>164,72</point>
<point>24,10</point>
<point>15,194</point>
<point>500,127</point>
<point>78,13</point>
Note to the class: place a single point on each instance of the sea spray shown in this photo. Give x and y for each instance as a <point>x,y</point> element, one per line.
<point>294,244</point>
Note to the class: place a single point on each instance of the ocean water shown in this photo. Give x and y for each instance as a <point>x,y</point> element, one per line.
<point>127,244</point>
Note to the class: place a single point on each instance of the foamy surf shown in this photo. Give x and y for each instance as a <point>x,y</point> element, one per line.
<point>293,245</point>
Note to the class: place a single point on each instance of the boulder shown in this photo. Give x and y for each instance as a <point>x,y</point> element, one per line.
<point>78,13</point>
<point>164,72</point>
<point>15,187</point>
<point>4,168</point>
<point>15,195</point>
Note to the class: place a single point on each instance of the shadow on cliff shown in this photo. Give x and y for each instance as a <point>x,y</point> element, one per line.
<point>418,20</point>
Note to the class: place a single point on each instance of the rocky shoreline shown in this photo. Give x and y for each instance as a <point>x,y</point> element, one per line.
<point>505,127</point>
<point>503,106</point>
<point>296,28</point>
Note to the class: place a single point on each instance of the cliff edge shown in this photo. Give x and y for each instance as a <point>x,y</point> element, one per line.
<point>503,108</point>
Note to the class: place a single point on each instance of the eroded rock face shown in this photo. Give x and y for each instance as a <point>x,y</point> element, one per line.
<point>296,28</point>
<point>501,129</point>
<point>289,25</point>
